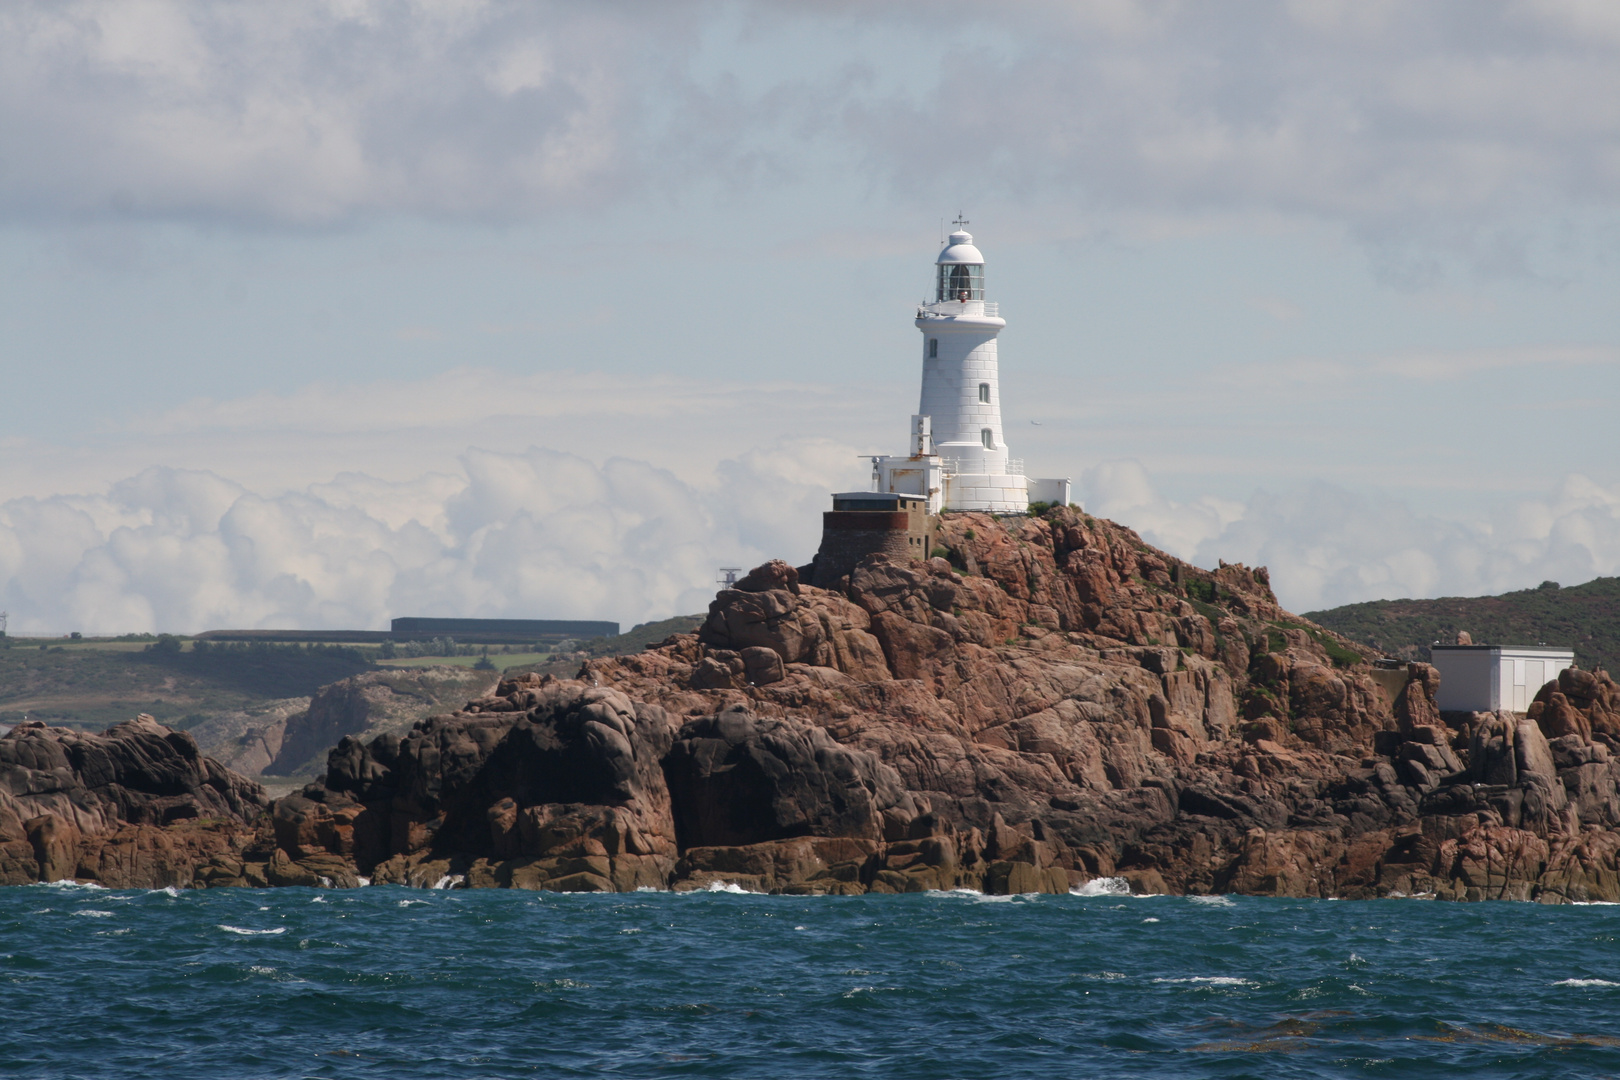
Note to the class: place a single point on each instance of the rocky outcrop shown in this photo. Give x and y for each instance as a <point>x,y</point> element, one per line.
<point>1053,702</point>
<point>137,806</point>
<point>370,704</point>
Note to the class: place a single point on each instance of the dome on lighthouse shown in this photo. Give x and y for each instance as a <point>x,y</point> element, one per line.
<point>960,251</point>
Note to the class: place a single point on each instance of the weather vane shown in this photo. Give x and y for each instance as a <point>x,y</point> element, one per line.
<point>960,220</point>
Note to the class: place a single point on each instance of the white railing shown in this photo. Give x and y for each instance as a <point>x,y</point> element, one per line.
<point>1015,466</point>
<point>961,307</point>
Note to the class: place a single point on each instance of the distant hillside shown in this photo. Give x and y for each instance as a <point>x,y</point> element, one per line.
<point>639,637</point>
<point>1585,617</point>
<point>92,684</point>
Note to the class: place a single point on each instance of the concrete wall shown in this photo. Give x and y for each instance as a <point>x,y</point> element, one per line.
<point>1056,492</point>
<point>1468,680</point>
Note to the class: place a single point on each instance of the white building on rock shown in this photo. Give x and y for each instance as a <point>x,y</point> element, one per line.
<point>958,458</point>
<point>1485,678</point>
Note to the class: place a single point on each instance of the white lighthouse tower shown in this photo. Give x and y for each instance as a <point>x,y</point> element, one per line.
<point>958,458</point>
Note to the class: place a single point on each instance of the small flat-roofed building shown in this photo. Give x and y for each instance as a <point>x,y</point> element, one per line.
<point>1487,678</point>
<point>863,523</point>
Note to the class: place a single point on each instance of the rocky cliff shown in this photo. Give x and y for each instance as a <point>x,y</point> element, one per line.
<point>1056,701</point>
<point>138,806</point>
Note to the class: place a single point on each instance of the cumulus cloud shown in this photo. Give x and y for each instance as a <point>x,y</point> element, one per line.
<point>538,534</point>
<point>312,111</point>
<point>1326,545</point>
<point>1444,119</point>
<point>1385,116</point>
<point>548,534</point>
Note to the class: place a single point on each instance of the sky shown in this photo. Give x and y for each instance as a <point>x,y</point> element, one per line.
<point>324,312</point>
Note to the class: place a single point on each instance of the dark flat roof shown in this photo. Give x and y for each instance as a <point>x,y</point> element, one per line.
<point>537,627</point>
<point>1509,648</point>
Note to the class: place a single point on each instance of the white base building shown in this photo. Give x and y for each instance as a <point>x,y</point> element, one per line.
<point>1487,678</point>
<point>958,459</point>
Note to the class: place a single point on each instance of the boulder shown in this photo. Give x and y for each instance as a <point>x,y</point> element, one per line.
<point>736,778</point>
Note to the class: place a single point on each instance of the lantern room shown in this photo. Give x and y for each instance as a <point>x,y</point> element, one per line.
<point>960,267</point>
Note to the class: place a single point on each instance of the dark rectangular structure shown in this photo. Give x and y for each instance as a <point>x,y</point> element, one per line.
<point>465,631</point>
<point>500,631</point>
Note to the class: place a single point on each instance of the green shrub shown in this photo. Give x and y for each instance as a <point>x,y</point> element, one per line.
<point>940,552</point>
<point>1201,590</point>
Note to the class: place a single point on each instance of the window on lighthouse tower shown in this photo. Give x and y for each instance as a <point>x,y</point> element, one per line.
<point>933,348</point>
<point>984,393</point>
<point>989,438</point>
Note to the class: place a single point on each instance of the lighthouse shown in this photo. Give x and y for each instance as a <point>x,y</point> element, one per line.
<point>958,457</point>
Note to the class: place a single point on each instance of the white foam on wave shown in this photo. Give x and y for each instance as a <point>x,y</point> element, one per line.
<point>411,903</point>
<point>450,881</point>
<point>364,881</point>
<point>1150,920</point>
<point>857,991</point>
<point>69,883</point>
<point>1594,903</point>
<point>1213,901</point>
<point>245,932</point>
<point>724,887</point>
<point>94,914</point>
<point>1103,886</point>
<point>1209,980</point>
<point>319,900</point>
<point>1585,982</point>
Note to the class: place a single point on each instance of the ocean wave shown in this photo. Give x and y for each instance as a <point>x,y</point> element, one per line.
<point>1209,980</point>
<point>92,913</point>
<point>69,883</point>
<point>1213,901</point>
<point>724,887</point>
<point>1103,886</point>
<point>245,932</point>
<point>449,881</point>
<point>1585,982</point>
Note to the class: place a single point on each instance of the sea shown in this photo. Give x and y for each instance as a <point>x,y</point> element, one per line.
<point>386,982</point>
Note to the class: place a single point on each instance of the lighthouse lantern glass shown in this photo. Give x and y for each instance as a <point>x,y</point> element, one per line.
<point>960,281</point>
